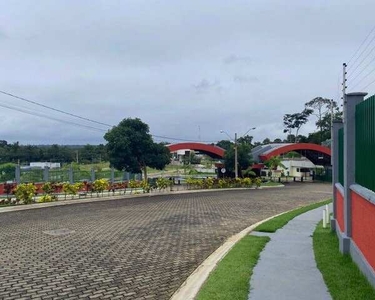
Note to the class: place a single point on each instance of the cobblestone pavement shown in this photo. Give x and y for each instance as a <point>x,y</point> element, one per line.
<point>141,248</point>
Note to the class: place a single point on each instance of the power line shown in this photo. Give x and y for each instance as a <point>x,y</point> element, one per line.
<point>363,69</point>
<point>363,78</point>
<point>50,118</point>
<point>363,42</point>
<point>54,109</point>
<point>82,118</point>
<point>179,139</point>
<point>368,85</point>
<point>368,54</point>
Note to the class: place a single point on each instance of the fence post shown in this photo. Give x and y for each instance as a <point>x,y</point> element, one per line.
<point>46,174</point>
<point>92,174</point>
<point>112,175</point>
<point>71,180</point>
<point>350,102</point>
<point>126,176</point>
<point>18,174</point>
<point>336,126</point>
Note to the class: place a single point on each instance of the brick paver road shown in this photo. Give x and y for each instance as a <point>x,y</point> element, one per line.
<point>141,248</point>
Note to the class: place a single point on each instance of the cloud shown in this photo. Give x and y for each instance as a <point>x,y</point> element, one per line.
<point>205,85</point>
<point>245,79</point>
<point>232,59</point>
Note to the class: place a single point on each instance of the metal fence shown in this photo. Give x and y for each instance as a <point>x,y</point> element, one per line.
<point>70,175</point>
<point>365,143</point>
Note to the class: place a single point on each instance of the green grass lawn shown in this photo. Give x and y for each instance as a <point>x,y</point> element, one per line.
<point>271,183</point>
<point>278,222</point>
<point>341,275</point>
<point>230,279</point>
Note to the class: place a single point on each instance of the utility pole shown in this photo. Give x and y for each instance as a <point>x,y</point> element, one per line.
<point>344,88</point>
<point>235,156</point>
<point>77,156</point>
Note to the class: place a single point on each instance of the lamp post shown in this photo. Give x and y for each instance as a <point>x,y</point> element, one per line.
<point>236,149</point>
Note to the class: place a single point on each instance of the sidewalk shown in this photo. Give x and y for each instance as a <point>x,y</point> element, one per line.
<point>287,269</point>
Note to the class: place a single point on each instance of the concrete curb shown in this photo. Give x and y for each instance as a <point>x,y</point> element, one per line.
<point>118,197</point>
<point>190,288</point>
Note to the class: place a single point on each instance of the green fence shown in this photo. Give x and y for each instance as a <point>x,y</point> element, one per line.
<point>341,156</point>
<point>31,175</point>
<point>365,143</point>
<point>58,175</point>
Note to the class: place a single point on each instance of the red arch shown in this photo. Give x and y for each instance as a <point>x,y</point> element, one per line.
<point>208,149</point>
<point>295,147</point>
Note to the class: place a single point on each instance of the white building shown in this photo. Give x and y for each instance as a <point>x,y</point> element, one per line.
<point>297,167</point>
<point>42,165</point>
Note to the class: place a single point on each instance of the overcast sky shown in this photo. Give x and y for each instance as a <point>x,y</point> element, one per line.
<point>177,65</point>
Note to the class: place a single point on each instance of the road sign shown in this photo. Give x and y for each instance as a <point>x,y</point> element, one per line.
<point>223,170</point>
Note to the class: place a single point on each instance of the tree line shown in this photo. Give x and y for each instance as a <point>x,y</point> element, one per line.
<point>16,153</point>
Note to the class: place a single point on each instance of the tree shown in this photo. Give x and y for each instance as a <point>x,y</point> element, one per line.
<point>274,162</point>
<point>131,148</point>
<point>225,144</point>
<point>321,107</point>
<point>277,141</point>
<point>266,141</point>
<point>296,121</point>
<point>244,157</point>
<point>247,139</point>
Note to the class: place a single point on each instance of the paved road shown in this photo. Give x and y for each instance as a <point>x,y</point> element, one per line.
<point>141,248</point>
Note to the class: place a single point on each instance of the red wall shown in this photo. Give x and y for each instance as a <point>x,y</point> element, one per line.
<point>340,210</point>
<point>363,227</point>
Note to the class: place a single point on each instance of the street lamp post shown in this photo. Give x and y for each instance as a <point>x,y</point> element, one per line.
<point>236,149</point>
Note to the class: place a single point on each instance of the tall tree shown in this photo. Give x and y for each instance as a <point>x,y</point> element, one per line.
<point>296,121</point>
<point>130,147</point>
<point>321,107</point>
<point>244,157</point>
<point>225,144</point>
<point>247,139</point>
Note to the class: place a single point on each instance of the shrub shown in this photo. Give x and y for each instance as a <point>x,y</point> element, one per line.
<point>246,182</point>
<point>47,198</point>
<point>100,185</point>
<point>48,188</point>
<point>258,182</point>
<point>25,192</point>
<point>133,184</point>
<point>208,183</point>
<point>223,183</point>
<point>145,186</point>
<point>162,183</point>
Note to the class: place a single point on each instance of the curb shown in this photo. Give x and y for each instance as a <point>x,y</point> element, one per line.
<point>118,197</point>
<point>190,288</point>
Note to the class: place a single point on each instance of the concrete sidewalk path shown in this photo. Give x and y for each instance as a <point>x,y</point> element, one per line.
<point>287,268</point>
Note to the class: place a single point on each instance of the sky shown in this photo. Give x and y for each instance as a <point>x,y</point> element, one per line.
<point>187,68</point>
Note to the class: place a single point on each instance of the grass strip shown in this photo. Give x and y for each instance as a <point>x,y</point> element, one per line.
<point>272,183</point>
<point>280,221</point>
<point>341,275</point>
<point>230,279</point>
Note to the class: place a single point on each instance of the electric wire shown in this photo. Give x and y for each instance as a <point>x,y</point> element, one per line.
<point>372,82</point>
<point>49,117</point>
<point>371,61</point>
<point>350,66</point>
<point>84,118</point>
<point>363,78</point>
<point>368,54</point>
<point>54,109</point>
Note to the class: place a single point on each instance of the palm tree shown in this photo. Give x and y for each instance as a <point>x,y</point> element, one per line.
<point>274,162</point>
